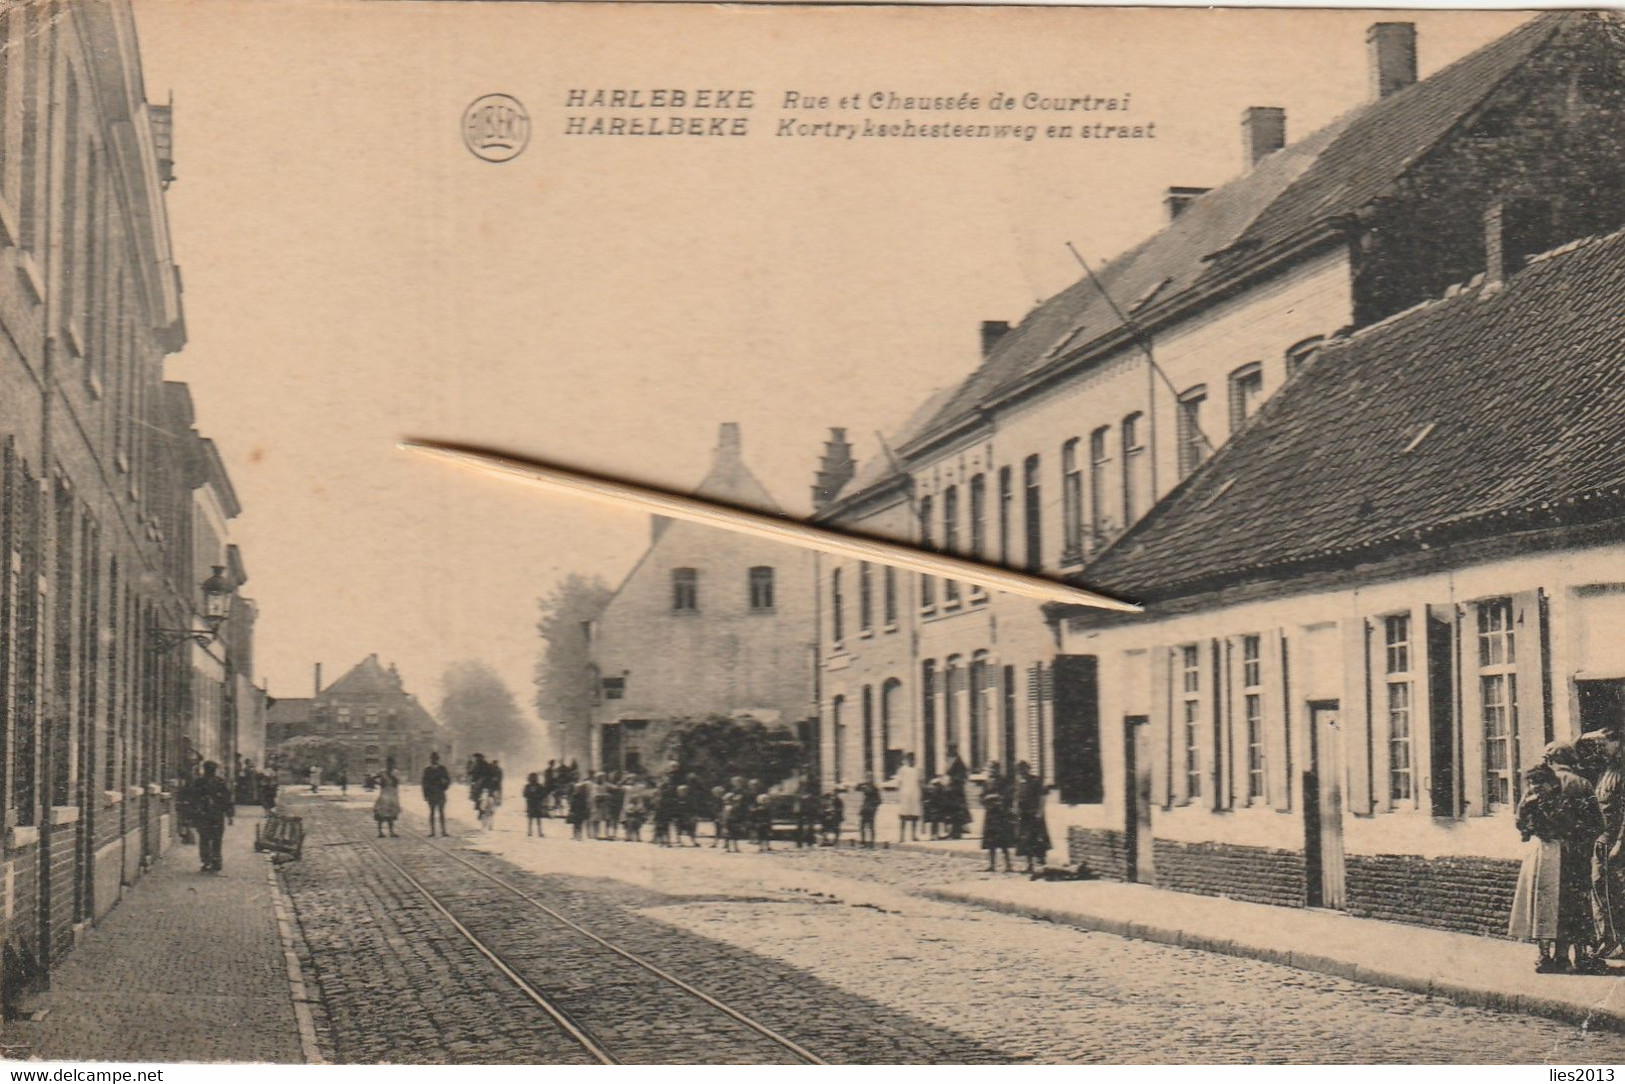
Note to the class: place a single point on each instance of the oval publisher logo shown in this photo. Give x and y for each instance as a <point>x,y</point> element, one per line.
<point>496,127</point>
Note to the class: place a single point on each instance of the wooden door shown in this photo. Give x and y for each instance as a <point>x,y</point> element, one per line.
<point>1323,807</point>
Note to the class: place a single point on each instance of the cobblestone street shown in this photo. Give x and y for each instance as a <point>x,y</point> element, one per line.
<point>828,948</point>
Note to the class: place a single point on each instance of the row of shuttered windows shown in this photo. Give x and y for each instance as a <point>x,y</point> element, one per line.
<point>1445,705</point>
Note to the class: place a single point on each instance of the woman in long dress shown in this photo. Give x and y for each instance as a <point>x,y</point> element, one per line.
<point>1560,821</point>
<point>1032,833</point>
<point>387,806</point>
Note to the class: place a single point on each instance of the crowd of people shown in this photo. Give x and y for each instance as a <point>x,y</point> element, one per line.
<point>1570,898</point>
<point>673,806</point>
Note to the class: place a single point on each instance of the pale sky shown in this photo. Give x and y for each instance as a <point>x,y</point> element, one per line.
<point>354,275</point>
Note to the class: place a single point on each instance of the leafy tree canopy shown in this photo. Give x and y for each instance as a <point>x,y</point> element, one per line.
<point>712,750</point>
<point>480,708</point>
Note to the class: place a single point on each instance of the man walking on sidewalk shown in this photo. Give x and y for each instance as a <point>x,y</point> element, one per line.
<point>211,807</point>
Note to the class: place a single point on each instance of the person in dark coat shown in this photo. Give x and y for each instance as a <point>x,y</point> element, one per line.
<point>833,815</point>
<point>535,796</point>
<point>1558,816</point>
<point>761,822</point>
<point>691,805</point>
<point>998,825</point>
<point>958,811</point>
<point>436,782</point>
<point>580,808</point>
<point>807,815</point>
<point>210,808</point>
<point>1032,833</point>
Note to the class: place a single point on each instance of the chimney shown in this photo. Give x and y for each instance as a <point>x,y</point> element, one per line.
<point>1391,48</point>
<point>1179,198</point>
<point>837,466</point>
<point>1263,131</point>
<point>992,332</point>
<point>318,679</point>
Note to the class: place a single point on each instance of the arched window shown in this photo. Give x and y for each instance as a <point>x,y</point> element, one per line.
<point>980,693</point>
<point>1246,392</point>
<point>1100,460</point>
<point>866,598</point>
<point>928,585</point>
<point>1136,469</point>
<point>891,698</point>
<point>950,539</point>
<point>952,707</point>
<point>889,595</point>
<point>1034,514</point>
<point>837,733</point>
<point>1194,445</point>
<point>928,718</point>
<point>1071,504</point>
<point>868,728</point>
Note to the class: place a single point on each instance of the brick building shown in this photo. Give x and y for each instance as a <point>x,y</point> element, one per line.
<point>1373,608</point>
<point>707,622</point>
<point>1105,398</point>
<point>368,717</point>
<point>99,480</point>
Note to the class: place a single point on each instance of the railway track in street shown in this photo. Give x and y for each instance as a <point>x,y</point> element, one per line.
<point>614,1004</point>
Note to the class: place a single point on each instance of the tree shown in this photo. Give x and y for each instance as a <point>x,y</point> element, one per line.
<point>564,691</point>
<point>482,711</point>
<point>712,750</point>
<point>296,755</point>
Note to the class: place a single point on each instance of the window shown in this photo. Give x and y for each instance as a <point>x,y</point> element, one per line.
<point>1190,707</point>
<point>1396,640</point>
<point>868,728</point>
<point>928,718</point>
<point>889,596</point>
<point>1034,514</point>
<point>1071,504</point>
<point>1246,392</point>
<point>1498,692</point>
<point>614,688</point>
<point>866,598</point>
<point>1299,354</point>
<point>1136,469</point>
<point>837,617</point>
<point>928,585</point>
<point>1193,443</point>
<point>1006,499</point>
<point>980,692</point>
<point>837,730</point>
<point>1099,472</point>
<point>761,588</point>
<point>1252,709</point>
<point>953,682</point>
<point>978,517</point>
<point>685,589</point>
<point>950,539</point>
<point>890,696</point>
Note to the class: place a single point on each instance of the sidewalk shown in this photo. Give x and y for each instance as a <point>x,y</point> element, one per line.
<point>1479,971</point>
<point>187,967</point>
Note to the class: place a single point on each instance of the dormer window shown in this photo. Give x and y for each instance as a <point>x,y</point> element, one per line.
<point>1246,393</point>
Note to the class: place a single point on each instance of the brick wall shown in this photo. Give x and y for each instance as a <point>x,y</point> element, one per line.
<point>1103,851</point>
<point>1254,874</point>
<point>1471,895</point>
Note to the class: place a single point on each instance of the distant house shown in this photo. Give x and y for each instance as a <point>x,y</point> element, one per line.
<point>369,717</point>
<point>1372,610</point>
<point>707,622</point>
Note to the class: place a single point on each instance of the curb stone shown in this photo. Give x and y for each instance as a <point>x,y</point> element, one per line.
<point>1567,1012</point>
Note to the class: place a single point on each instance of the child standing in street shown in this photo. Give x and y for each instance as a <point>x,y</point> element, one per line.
<point>535,804</point>
<point>834,814</point>
<point>761,819</point>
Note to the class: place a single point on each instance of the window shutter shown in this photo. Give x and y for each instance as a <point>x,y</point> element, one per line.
<point>1076,729</point>
<point>1376,694</point>
<point>1356,716</point>
<point>1161,722</point>
<point>1534,679</point>
<point>1441,709</point>
<point>1277,720</point>
<point>1472,716</point>
<point>1234,724</point>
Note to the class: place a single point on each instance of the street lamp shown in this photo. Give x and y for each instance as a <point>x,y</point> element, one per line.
<point>217,592</point>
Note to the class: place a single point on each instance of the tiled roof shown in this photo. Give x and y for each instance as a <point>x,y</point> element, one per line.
<point>1483,412</point>
<point>289,709</point>
<point>1330,174</point>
